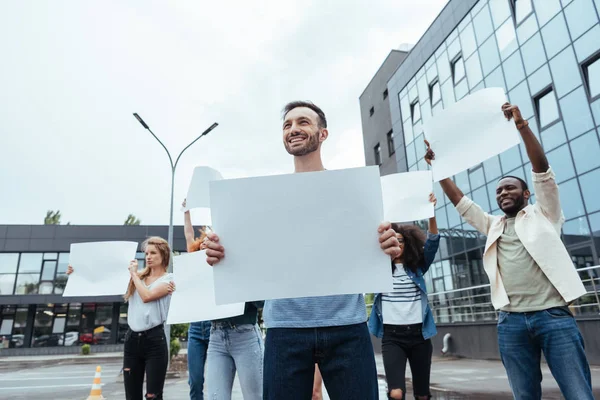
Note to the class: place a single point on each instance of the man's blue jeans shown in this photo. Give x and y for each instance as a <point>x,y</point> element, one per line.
<point>522,337</point>
<point>198,336</point>
<point>344,354</point>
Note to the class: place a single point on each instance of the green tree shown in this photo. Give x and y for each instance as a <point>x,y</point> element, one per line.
<point>132,220</point>
<point>179,330</point>
<point>52,218</point>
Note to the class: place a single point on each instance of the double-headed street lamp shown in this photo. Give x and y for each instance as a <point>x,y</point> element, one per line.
<point>173,166</point>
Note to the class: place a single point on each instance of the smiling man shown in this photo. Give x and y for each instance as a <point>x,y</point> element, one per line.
<point>531,275</point>
<point>330,331</point>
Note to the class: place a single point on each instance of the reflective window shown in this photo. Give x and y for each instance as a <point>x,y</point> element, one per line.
<point>511,159</point>
<point>520,95</point>
<point>415,112</point>
<point>480,197</point>
<point>458,70</point>
<point>453,216</point>
<point>588,44</point>
<point>492,168</point>
<point>591,72</point>
<point>521,9</point>
<point>540,79</point>
<point>586,151</point>
<point>454,48</point>
<point>8,262</point>
<point>467,41</point>
<point>448,93</point>
<point>554,136</point>
<point>507,39</point>
<point>411,156</point>
<point>570,199</point>
<point>581,16</point>
<point>425,111</point>
<point>591,190</point>
<point>412,91</point>
<point>462,181</point>
<point>443,65</point>
<point>63,262</point>
<point>565,72</point>
<point>533,54</point>
<point>496,79</point>
<point>500,11</point>
<point>441,217</point>
<point>513,70</point>
<point>527,29</point>
<point>576,230</point>
<point>7,283</point>
<point>390,143</point>
<point>27,283</point>
<point>48,270</point>
<point>423,89</point>
<point>408,130</point>
<point>30,262</point>
<point>435,93</point>
<point>473,70</point>
<point>546,9</point>
<point>482,23</point>
<point>492,186</point>
<point>432,72</point>
<point>476,177</point>
<point>595,222</point>
<point>405,108</point>
<point>547,108</point>
<point>461,90</point>
<point>576,113</point>
<point>42,327</point>
<point>562,163</point>
<point>437,108</point>
<point>596,111</point>
<point>555,35</point>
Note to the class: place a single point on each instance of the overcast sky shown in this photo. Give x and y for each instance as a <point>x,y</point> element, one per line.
<point>73,72</point>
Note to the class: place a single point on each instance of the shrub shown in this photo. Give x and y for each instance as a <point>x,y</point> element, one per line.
<point>86,349</point>
<point>175,347</point>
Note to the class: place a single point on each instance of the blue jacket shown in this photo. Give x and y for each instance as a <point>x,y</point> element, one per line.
<point>376,319</point>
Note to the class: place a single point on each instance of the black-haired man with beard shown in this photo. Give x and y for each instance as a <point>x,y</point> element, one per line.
<point>531,275</point>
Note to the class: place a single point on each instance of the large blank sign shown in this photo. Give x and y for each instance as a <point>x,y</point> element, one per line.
<point>469,132</point>
<point>299,235</point>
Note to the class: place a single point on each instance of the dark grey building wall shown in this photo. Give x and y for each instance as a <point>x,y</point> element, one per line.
<point>375,127</point>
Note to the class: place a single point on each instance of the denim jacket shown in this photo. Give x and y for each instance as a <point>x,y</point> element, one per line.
<point>375,322</point>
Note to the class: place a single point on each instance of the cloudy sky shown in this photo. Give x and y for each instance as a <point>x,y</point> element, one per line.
<point>72,73</point>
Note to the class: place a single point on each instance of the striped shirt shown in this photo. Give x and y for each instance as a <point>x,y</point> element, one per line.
<point>402,306</point>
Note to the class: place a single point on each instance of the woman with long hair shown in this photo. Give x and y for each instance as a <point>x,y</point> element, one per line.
<point>146,349</point>
<point>402,318</point>
<point>235,345</point>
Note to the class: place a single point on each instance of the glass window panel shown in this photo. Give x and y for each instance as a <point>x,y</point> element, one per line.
<point>591,190</point>
<point>555,35</point>
<point>63,262</point>
<point>596,111</point>
<point>533,54</point>
<point>436,94</point>
<point>588,44</point>
<point>7,283</point>
<point>522,9</point>
<point>473,70</point>
<point>422,164</point>
<point>511,159</point>
<point>462,181</point>
<point>507,39</point>
<point>443,65</point>
<point>432,72</point>
<point>586,152</point>
<point>513,70</point>
<point>595,223</point>
<point>50,256</point>
<point>415,109</point>
<point>454,48</point>
<point>576,230</point>
<point>6,326</point>
<point>527,29</point>
<point>27,283</point>
<point>74,315</point>
<point>491,188</point>
<point>405,108</point>
<point>441,217</point>
<point>45,288</point>
<point>480,197</point>
<point>482,23</point>
<point>581,16</point>
<point>496,79</point>
<point>500,10</point>
<point>411,156</point>
<point>48,271</point>
<point>461,89</point>
<point>42,327</point>
<point>60,282</point>
<point>492,168</point>
<point>412,91</point>
<point>463,24</point>
<point>30,262</point>
<point>554,136</point>
<point>476,177</point>
<point>448,93</point>
<point>425,111</point>
<point>546,9</point>
<point>453,217</point>
<point>547,109</point>
<point>520,95</point>
<point>490,58</point>
<point>8,262</point>
<point>423,89</point>
<point>437,108</point>
<point>467,41</point>
<point>459,70</point>
<point>576,113</point>
<point>561,162</point>
<point>565,72</point>
<point>570,199</point>
<point>408,130</point>
<point>540,79</point>
<point>593,78</point>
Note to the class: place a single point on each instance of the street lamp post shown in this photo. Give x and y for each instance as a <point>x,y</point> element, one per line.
<point>173,166</point>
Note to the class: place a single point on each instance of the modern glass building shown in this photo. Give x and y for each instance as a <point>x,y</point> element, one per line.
<point>545,54</point>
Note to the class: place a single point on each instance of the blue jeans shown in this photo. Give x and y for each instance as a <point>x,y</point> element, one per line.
<point>522,337</point>
<point>234,348</point>
<point>344,355</point>
<point>198,336</point>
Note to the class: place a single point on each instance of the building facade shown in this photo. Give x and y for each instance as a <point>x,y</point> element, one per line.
<point>379,140</point>
<point>545,54</point>
<point>33,264</point>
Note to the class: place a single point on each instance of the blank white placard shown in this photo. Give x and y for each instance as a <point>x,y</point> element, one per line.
<point>406,196</point>
<point>99,268</point>
<point>194,296</point>
<point>299,235</point>
<point>198,195</point>
<point>469,132</point>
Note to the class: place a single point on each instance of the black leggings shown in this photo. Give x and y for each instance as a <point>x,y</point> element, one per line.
<point>145,353</point>
<point>402,342</point>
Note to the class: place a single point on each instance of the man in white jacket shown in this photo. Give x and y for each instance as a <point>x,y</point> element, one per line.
<point>531,275</point>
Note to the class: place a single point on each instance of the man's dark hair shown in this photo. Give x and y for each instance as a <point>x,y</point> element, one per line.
<point>308,104</point>
<point>523,183</point>
<point>414,246</point>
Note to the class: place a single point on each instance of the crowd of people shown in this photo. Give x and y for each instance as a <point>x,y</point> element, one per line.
<point>327,340</point>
